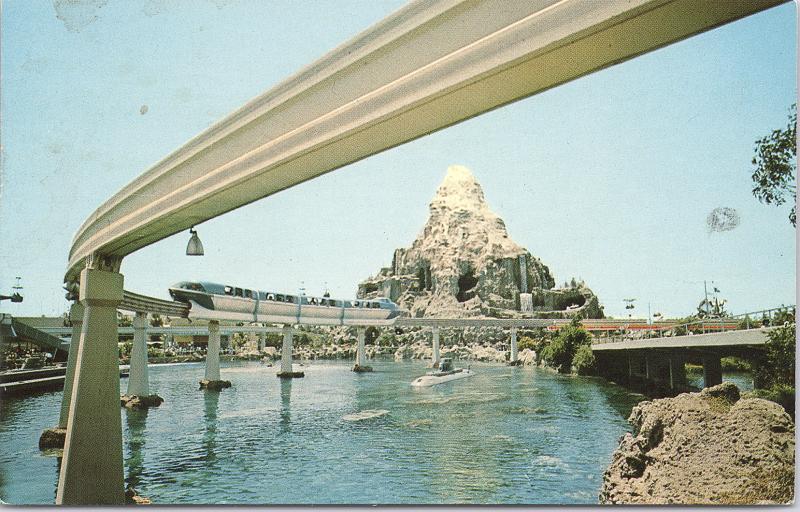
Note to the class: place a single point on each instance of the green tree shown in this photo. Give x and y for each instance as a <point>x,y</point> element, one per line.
<point>561,350</point>
<point>584,361</point>
<point>774,176</point>
<point>777,365</point>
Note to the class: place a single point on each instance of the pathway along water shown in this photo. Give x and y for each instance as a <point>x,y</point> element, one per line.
<point>507,435</point>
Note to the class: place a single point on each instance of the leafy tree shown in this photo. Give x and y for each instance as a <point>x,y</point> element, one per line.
<point>584,361</point>
<point>561,351</point>
<point>777,366</point>
<point>774,176</point>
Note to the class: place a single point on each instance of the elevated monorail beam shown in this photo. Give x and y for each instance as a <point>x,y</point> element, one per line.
<point>134,302</point>
<point>429,65</point>
<point>199,330</point>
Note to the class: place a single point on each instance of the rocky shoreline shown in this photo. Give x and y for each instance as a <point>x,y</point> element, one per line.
<point>711,447</point>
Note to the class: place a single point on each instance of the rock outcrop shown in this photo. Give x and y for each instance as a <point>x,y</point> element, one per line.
<point>464,264</point>
<point>709,447</point>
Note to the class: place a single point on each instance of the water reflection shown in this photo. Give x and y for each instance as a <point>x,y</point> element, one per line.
<point>136,421</point>
<point>210,412</point>
<point>286,398</point>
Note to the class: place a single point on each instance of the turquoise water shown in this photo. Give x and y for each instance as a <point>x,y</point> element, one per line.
<point>507,435</point>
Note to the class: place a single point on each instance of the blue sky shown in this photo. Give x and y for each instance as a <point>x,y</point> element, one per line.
<point>609,178</point>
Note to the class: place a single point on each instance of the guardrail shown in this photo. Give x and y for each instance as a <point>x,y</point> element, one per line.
<point>740,322</point>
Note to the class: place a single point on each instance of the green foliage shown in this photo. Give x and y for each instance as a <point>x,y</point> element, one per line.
<point>584,361</point>
<point>561,350</point>
<point>777,365</point>
<point>386,339</point>
<point>526,342</point>
<point>774,176</point>
<point>774,373</point>
<point>735,364</point>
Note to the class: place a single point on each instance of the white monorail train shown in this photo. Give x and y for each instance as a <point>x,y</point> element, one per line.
<point>212,301</point>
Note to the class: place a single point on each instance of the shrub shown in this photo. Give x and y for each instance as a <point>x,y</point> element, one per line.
<point>584,362</point>
<point>386,339</point>
<point>560,352</point>
<point>776,367</point>
<point>526,343</point>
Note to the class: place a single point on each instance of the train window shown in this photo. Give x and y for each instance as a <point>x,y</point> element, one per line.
<point>248,294</point>
<point>355,303</point>
<point>228,290</point>
<point>279,297</point>
<point>270,296</point>
<point>289,298</point>
<point>238,292</point>
<point>262,295</point>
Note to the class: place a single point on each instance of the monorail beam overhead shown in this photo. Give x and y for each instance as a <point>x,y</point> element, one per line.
<point>427,66</point>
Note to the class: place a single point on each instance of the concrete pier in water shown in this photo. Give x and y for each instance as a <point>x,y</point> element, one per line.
<point>212,380</point>
<point>91,467</point>
<point>361,352</point>
<point>286,356</point>
<point>54,438</point>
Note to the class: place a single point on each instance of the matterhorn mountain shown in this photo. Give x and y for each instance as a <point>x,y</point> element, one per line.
<point>464,264</point>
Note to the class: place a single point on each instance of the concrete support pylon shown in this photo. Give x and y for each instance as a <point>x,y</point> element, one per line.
<point>76,318</point>
<point>361,351</point>
<point>514,351</point>
<point>436,348</point>
<point>677,372</point>
<point>138,379</point>
<point>286,355</point>
<point>212,378</point>
<point>261,341</point>
<point>53,438</point>
<point>212,352</point>
<point>712,370</point>
<point>89,475</point>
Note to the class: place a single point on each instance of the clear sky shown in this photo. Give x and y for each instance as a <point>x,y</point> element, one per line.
<point>609,178</point>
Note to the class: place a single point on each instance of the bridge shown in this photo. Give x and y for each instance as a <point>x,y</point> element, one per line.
<point>660,361</point>
<point>423,68</point>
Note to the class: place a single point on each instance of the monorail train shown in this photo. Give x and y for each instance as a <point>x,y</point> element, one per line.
<point>212,301</point>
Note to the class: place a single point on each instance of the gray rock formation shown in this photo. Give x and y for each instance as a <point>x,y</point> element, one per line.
<point>464,264</point>
<point>709,447</point>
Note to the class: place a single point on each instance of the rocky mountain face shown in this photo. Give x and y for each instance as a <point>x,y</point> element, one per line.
<point>707,448</point>
<point>463,264</point>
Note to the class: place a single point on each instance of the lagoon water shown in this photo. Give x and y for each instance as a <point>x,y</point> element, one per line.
<point>507,435</point>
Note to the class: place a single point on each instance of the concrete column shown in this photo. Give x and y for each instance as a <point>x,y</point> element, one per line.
<point>76,317</point>
<point>261,341</point>
<point>677,372</point>
<point>91,467</point>
<point>138,381</point>
<point>212,354</point>
<point>361,354</point>
<point>712,371</point>
<point>513,344</point>
<point>286,352</point>
<point>436,356</point>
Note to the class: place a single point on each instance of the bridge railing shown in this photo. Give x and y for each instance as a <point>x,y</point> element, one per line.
<point>743,321</point>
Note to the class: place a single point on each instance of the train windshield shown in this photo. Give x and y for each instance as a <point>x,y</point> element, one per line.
<point>192,286</point>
